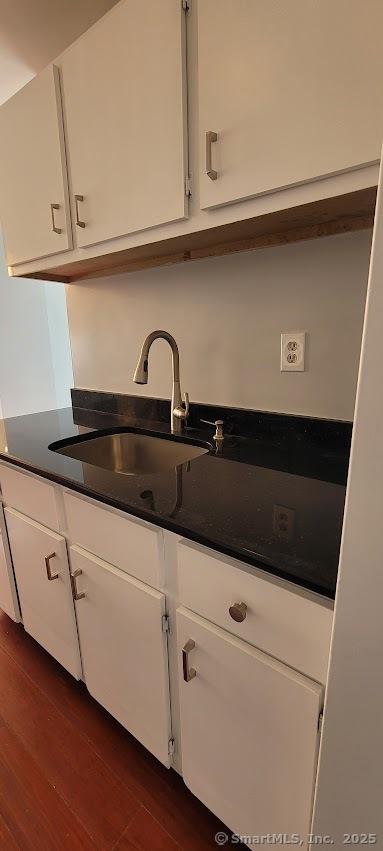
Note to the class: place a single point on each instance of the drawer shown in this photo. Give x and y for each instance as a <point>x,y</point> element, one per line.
<point>131,545</point>
<point>29,495</point>
<point>292,627</point>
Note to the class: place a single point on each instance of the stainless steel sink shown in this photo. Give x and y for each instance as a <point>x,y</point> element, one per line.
<point>130,453</point>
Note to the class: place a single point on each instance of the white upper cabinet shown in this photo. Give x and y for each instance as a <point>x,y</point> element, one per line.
<point>293,91</point>
<point>33,184</point>
<point>125,107</point>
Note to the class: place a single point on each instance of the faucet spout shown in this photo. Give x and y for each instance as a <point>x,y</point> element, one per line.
<point>178,411</point>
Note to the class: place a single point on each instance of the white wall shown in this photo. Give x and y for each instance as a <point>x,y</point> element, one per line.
<point>58,329</point>
<point>35,359</point>
<point>226,315</point>
<point>350,777</point>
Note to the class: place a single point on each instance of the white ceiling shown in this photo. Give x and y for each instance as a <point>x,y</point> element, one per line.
<point>33,32</point>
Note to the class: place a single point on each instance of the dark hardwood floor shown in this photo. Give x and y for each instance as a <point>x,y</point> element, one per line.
<point>71,778</point>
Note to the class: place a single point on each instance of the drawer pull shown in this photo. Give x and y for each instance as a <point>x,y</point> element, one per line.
<point>50,575</point>
<point>238,612</point>
<point>189,673</point>
<point>73,577</point>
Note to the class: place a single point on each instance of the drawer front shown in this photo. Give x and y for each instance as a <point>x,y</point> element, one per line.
<point>29,495</point>
<point>290,627</point>
<point>130,545</point>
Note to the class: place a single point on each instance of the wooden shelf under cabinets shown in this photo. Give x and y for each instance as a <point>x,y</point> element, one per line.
<point>341,214</point>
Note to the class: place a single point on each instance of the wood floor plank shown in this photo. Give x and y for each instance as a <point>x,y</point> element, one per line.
<point>34,813</point>
<point>162,792</point>
<point>7,842</point>
<point>103,804</point>
<point>145,833</point>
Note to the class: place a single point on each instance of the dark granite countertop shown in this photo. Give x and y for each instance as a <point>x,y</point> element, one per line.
<point>228,502</point>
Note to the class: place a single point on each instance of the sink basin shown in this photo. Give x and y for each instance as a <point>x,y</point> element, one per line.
<point>130,453</point>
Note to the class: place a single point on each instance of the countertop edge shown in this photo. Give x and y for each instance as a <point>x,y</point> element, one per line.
<point>170,526</point>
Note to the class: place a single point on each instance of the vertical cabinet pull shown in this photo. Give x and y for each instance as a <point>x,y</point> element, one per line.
<point>53,208</point>
<point>79,199</point>
<point>189,673</point>
<point>73,577</point>
<point>50,575</point>
<point>211,137</point>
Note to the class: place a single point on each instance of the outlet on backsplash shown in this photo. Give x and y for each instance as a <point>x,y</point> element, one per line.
<point>283,522</point>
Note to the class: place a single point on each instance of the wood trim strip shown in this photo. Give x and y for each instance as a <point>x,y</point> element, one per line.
<point>342,214</point>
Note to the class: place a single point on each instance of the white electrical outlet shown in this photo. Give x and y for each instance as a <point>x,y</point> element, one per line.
<point>283,522</point>
<point>293,351</point>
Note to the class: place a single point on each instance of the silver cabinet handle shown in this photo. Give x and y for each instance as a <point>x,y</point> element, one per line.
<point>53,208</point>
<point>50,575</point>
<point>189,673</point>
<point>73,577</point>
<point>238,612</point>
<point>79,199</point>
<point>211,137</point>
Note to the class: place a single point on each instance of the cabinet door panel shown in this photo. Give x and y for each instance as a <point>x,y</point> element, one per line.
<point>280,85</point>
<point>46,606</point>
<point>8,594</point>
<point>125,106</point>
<point>123,649</point>
<point>33,171</point>
<point>249,727</point>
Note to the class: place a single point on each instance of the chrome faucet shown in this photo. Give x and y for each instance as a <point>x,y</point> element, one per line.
<point>179,409</point>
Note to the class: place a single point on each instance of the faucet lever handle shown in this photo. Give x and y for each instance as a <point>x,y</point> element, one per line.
<point>182,410</point>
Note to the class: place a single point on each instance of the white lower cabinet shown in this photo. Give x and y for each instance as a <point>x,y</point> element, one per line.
<point>124,648</point>
<point>43,580</point>
<point>8,594</point>
<point>249,731</point>
<point>246,735</point>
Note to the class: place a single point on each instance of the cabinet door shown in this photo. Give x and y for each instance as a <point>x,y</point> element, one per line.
<point>293,91</point>
<point>249,728</point>
<point>124,96</point>
<point>123,649</point>
<point>46,604</point>
<point>33,182</point>
<point>8,594</point>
